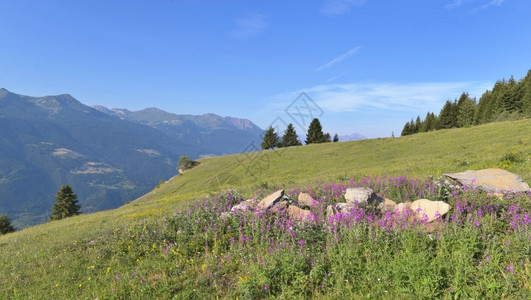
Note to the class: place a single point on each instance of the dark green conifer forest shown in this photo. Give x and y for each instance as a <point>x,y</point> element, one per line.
<point>508,100</point>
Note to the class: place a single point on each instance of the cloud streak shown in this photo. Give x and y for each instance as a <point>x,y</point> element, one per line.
<point>374,109</point>
<point>338,59</point>
<point>417,97</point>
<point>456,3</point>
<point>487,5</point>
<point>339,7</point>
<point>248,26</point>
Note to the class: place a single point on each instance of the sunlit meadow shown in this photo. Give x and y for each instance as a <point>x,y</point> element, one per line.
<point>480,250</point>
<point>177,242</point>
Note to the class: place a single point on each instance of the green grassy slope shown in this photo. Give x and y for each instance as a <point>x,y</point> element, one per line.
<point>505,145</point>
<point>62,258</point>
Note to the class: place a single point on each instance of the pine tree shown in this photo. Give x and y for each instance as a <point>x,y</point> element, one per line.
<point>412,127</point>
<point>496,103</point>
<point>448,115</point>
<point>66,204</point>
<point>5,225</point>
<point>270,139</point>
<point>483,108</point>
<point>519,92</point>
<point>290,137</point>
<point>525,83</point>
<point>429,123</point>
<point>509,101</point>
<point>336,138</point>
<point>466,108</point>
<point>418,125</point>
<point>327,138</point>
<point>315,132</point>
<point>406,130</point>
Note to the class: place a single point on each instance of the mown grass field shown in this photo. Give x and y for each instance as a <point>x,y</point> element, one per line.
<point>147,249</point>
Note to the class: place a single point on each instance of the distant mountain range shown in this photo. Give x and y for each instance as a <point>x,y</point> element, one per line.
<point>351,137</point>
<point>108,156</point>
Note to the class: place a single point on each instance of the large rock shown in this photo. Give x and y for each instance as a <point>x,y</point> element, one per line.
<point>362,195</point>
<point>432,209</point>
<point>279,206</point>
<point>403,207</point>
<point>244,206</point>
<point>307,200</point>
<point>387,205</point>
<point>298,213</point>
<point>334,209</point>
<point>270,200</point>
<point>495,180</point>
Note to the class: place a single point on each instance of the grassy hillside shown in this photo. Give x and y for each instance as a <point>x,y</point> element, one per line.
<point>125,252</point>
<point>505,145</point>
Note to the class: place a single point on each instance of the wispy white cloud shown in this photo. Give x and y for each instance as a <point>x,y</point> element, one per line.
<point>339,7</point>
<point>456,3</point>
<point>373,109</point>
<point>487,5</point>
<point>338,59</point>
<point>337,76</point>
<point>248,26</point>
<point>417,97</point>
<point>484,6</point>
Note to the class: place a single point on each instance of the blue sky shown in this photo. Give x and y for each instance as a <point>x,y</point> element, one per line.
<point>369,66</point>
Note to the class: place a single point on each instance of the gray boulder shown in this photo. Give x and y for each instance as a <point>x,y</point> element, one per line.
<point>362,195</point>
<point>491,180</point>
<point>298,213</point>
<point>270,200</point>
<point>431,209</point>
<point>307,200</point>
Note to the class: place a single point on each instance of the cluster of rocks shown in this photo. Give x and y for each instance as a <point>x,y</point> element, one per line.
<point>424,210</point>
<point>277,202</point>
<point>421,209</point>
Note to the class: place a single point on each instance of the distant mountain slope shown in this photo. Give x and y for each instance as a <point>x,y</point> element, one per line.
<point>351,137</point>
<point>209,133</point>
<point>107,158</point>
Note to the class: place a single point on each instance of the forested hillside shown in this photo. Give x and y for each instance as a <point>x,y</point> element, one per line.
<point>508,100</point>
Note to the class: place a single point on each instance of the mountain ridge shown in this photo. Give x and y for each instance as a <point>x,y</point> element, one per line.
<point>155,115</point>
<point>108,159</point>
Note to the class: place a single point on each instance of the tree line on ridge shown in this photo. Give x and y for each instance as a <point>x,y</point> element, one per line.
<point>508,100</point>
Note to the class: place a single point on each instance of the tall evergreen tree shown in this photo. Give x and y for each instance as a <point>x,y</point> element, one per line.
<point>270,139</point>
<point>66,204</point>
<point>509,101</point>
<point>290,137</point>
<point>483,109</point>
<point>519,92</point>
<point>525,84</point>
<point>466,108</point>
<point>448,115</point>
<point>429,122</point>
<point>5,225</point>
<point>418,124</point>
<point>315,132</point>
<point>496,106</point>
<point>406,130</point>
<point>336,138</point>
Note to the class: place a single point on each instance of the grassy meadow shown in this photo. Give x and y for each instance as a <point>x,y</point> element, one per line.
<point>178,242</point>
